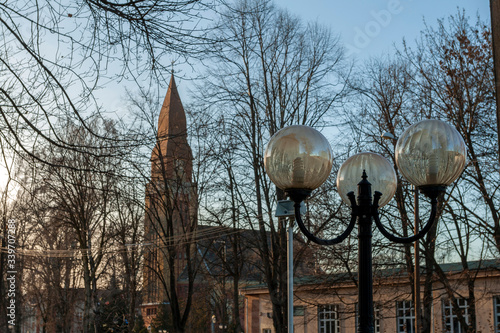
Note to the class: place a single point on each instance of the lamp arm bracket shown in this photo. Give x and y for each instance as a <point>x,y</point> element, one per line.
<point>411,239</point>
<point>320,241</point>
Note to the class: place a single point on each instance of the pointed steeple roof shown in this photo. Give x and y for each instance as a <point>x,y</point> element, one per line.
<point>172,120</point>
<point>172,148</point>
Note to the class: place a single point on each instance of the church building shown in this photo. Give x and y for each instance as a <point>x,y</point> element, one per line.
<point>171,208</point>
<point>202,267</point>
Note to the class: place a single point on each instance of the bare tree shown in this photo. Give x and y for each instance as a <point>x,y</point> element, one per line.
<point>268,71</point>
<point>128,232</point>
<point>82,202</point>
<point>57,55</point>
<point>447,76</point>
<point>458,73</point>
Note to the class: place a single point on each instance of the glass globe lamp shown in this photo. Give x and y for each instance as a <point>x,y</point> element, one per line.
<point>298,157</point>
<point>431,153</point>
<point>380,174</point>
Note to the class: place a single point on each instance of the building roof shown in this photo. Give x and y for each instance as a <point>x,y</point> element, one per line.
<point>345,277</point>
<point>172,145</point>
<point>215,243</point>
<point>172,119</point>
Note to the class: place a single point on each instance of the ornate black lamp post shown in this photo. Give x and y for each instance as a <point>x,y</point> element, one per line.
<point>430,154</point>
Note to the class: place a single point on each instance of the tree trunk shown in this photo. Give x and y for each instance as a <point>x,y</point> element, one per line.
<point>495,32</point>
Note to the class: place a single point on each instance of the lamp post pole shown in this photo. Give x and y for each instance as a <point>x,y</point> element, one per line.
<point>290,277</point>
<point>365,274</point>
<point>298,159</point>
<point>416,277</point>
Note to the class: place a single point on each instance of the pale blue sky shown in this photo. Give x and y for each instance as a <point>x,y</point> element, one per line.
<point>367,28</point>
<point>371,27</point>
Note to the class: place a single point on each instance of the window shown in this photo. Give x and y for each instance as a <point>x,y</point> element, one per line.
<point>376,313</point>
<point>405,317</point>
<point>451,322</point>
<point>266,330</point>
<point>329,321</point>
<point>150,312</point>
<point>79,315</point>
<point>298,310</point>
<point>496,310</point>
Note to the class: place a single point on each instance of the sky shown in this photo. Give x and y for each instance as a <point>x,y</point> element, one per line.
<point>375,28</point>
<point>368,28</point>
<point>371,28</point>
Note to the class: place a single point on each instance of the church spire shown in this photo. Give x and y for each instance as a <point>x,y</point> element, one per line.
<point>172,120</point>
<point>172,149</point>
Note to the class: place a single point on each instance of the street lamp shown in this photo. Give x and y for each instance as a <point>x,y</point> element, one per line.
<point>430,154</point>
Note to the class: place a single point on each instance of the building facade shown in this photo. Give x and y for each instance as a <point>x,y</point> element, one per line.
<point>329,305</point>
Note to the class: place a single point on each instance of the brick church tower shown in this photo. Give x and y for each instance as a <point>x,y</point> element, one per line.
<point>171,207</point>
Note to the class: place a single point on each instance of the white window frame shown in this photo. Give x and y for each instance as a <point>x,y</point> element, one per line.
<point>405,316</point>
<point>450,319</point>
<point>328,319</point>
<point>266,330</point>
<point>496,313</point>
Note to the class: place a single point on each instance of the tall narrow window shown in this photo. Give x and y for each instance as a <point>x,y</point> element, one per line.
<point>329,321</point>
<point>496,309</point>
<point>405,317</point>
<point>451,322</point>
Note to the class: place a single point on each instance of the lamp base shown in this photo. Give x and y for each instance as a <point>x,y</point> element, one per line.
<point>298,194</point>
<point>432,191</point>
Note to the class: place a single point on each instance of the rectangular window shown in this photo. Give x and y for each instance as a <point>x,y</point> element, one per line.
<point>79,315</point>
<point>298,310</point>
<point>451,322</point>
<point>150,311</point>
<point>328,319</point>
<point>405,317</point>
<point>266,330</point>
<point>376,312</point>
<point>496,309</point>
